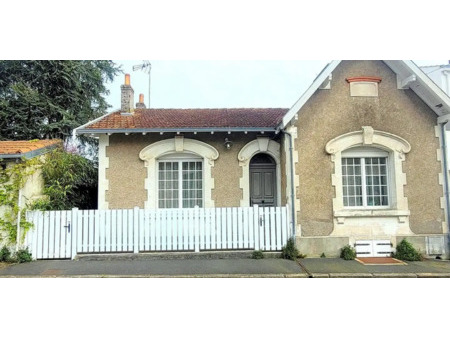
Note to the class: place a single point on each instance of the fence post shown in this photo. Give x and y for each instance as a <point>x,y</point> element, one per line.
<point>196,230</point>
<point>74,236</point>
<point>136,230</point>
<point>256,225</point>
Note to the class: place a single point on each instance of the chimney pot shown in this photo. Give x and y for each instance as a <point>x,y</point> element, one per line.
<point>127,79</point>
<point>141,103</point>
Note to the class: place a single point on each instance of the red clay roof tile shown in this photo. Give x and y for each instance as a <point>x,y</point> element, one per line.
<point>192,118</point>
<point>23,147</point>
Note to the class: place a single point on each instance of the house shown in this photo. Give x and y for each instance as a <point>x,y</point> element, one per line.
<point>359,159</point>
<point>18,152</point>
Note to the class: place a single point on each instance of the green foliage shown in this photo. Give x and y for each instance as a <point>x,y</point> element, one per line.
<point>323,255</point>
<point>290,251</point>
<point>5,254</point>
<point>257,254</point>
<point>42,99</point>
<point>23,256</point>
<point>348,253</point>
<point>70,181</point>
<point>406,252</point>
<point>12,179</point>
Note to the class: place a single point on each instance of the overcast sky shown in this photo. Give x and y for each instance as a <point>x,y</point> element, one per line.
<point>222,84</point>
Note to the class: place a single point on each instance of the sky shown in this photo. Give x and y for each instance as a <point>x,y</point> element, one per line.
<point>221,84</point>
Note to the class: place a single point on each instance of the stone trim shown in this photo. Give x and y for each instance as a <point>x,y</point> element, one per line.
<point>441,179</point>
<point>179,144</point>
<point>103,164</point>
<point>260,145</point>
<point>397,148</point>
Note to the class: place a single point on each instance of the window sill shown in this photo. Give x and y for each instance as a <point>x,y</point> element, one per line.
<point>341,215</point>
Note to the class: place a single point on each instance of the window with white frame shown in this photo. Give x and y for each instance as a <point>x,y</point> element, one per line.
<point>365,178</point>
<point>180,181</point>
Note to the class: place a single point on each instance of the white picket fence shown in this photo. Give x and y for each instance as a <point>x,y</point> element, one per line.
<point>64,234</point>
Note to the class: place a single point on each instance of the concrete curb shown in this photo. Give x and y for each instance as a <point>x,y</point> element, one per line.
<point>299,275</point>
<point>280,275</point>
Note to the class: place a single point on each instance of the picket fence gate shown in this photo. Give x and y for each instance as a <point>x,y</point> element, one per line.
<point>64,234</point>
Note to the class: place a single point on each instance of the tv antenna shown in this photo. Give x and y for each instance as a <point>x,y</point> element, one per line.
<point>146,67</point>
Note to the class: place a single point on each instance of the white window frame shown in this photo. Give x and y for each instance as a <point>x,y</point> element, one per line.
<point>180,159</point>
<point>364,153</point>
<point>397,148</point>
<point>178,145</point>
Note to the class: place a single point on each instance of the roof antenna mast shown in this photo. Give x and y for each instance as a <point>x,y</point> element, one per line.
<point>146,67</point>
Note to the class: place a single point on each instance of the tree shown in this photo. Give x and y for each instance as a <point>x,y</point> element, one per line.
<point>42,99</point>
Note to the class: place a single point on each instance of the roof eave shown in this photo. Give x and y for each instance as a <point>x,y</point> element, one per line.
<point>30,154</point>
<point>174,130</point>
<point>308,93</point>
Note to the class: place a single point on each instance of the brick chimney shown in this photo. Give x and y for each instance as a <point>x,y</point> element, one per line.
<point>141,104</point>
<point>127,98</point>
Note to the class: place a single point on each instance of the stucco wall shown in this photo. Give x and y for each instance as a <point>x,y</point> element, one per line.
<point>330,113</point>
<point>127,173</point>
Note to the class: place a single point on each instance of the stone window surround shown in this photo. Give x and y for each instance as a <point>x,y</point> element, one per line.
<point>261,145</point>
<point>396,146</point>
<point>179,144</point>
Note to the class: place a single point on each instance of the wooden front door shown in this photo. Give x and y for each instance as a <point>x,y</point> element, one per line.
<point>263,181</point>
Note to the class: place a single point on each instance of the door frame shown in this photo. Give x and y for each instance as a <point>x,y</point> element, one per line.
<point>260,145</point>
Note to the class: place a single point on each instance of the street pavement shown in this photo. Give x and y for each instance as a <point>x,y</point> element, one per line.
<point>187,266</point>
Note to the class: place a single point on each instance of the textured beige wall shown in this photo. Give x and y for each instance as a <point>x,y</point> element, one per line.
<point>127,173</point>
<point>330,113</point>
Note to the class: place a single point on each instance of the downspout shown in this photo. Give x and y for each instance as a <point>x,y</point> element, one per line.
<point>291,160</point>
<point>446,190</point>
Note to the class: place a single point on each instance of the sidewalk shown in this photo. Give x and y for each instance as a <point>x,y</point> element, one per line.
<point>218,266</point>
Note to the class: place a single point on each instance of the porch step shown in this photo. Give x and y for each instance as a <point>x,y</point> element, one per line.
<point>171,255</point>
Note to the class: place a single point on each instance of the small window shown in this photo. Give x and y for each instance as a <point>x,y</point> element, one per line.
<point>365,181</point>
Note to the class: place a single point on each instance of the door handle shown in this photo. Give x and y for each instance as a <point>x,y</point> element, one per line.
<point>67,226</point>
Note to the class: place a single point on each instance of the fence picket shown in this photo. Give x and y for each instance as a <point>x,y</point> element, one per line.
<point>251,240</point>
<point>272,228</point>
<point>64,237</point>
<point>278,228</point>
<point>284,225</point>
<point>175,226</point>
<point>240,228</point>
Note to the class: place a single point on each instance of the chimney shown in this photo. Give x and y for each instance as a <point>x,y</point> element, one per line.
<point>141,104</point>
<point>127,98</point>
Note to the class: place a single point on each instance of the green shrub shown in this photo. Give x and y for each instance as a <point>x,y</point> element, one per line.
<point>323,255</point>
<point>406,252</point>
<point>23,256</point>
<point>348,253</point>
<point>290,251</point>
<point>5,254</point>
<point>258,254</point>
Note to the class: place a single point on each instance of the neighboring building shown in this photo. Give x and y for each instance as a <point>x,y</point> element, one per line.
<point>440,74</point>
<point>365,140</point>
<point>13,152</point>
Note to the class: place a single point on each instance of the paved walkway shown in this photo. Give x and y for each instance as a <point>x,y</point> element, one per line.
<point>212,267</point>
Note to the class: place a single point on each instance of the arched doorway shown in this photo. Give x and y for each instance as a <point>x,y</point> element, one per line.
<point>263,177</point>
